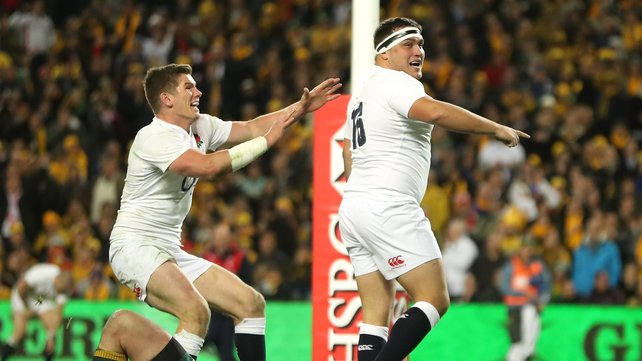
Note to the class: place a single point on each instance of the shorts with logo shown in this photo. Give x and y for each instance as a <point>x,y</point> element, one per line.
<point>32,304</point>
<point>391,237</point>
<point>133,262</point>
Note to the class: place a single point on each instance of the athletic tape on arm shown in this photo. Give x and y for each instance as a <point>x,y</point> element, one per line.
<point>244,153</point>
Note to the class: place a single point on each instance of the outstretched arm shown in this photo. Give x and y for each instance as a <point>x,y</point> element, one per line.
<point>458,119</point>
<point>253,138</point>
<point>310,101</point>
<point>193,163</point>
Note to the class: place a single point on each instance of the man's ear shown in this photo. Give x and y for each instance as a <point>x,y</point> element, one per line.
<point>166,99</point>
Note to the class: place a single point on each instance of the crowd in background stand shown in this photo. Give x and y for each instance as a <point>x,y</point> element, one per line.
<point>567,72</point>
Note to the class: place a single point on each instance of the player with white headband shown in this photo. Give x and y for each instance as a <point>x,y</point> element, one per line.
<point>397,37</point>
<point>387,155</point>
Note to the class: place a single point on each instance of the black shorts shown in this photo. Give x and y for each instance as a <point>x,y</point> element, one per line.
<point>173,351</point>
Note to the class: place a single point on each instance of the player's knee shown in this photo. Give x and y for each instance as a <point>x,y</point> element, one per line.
<point>259,302</point>
<point>118,322</point>
<point>200,311</point>
<point>253,305</point>
<point>442,305</point>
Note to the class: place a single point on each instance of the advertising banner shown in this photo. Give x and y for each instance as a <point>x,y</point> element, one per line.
<point>467,332</point>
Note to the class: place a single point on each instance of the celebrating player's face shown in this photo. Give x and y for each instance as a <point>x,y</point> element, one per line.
<point>408,56</point>
<point>187,97</point>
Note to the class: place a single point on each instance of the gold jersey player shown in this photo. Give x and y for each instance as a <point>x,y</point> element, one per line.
<point>387,159</point>
<point>166,159</point>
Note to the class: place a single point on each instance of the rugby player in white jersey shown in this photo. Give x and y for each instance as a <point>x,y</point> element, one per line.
<point>166,159</point>
<point>387,159</point>
<point>42,291</point>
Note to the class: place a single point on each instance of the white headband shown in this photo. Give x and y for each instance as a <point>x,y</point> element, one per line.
<point>397,37</point>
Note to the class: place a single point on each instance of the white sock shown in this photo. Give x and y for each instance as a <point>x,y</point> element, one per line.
<point>430,311</point>
<point>190,342</point>
<point>379,331</point>
<point>253,326</point>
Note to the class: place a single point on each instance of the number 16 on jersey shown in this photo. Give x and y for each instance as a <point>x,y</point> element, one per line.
<point>358,131</point>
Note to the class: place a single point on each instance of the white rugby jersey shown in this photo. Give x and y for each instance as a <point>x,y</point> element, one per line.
<point>390,153</point>
<point>40,279</point>
<point>156,201</point>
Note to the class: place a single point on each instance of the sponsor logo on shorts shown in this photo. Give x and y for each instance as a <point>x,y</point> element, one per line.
<point>365,348</point>
<point>396,261</point>
<point>137,291</point>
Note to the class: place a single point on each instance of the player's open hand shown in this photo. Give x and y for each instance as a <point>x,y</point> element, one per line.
<point>509,136</point>
<point>314,99</point>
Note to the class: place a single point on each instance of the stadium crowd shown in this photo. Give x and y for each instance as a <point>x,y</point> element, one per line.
<point>567,72</point>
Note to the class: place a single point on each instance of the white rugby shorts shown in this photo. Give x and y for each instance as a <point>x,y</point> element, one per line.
<point>133,263</point>
<point>390,237</point>
<point>33,305</point>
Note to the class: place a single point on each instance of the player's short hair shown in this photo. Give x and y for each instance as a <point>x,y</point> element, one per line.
<point>162,79</point>
<point>391,25</point>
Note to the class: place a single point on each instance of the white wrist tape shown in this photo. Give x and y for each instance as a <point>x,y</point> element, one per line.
<point>244,153</point>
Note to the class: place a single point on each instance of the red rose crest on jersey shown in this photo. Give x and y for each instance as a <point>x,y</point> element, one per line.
<point>198,140</point>
<point>396,261</point>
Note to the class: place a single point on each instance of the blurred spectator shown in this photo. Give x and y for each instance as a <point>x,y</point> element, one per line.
<point>568,294</point>
<point>604,293</point>
<point>37,31</point>
<point>629,283</point>
<point>283,221</point>
<point>486,270</point>
<point>300,275</point>
<point>15,240</point>
<point>270,268</point>
<point>511,225</point>
<point>459,252</point>
<point>17,205</point>
<point>597,253</point>
<point>268,252</point>
<point>203,230</point>
<point>222,251</point>
<point>102,231</point>
<point>96,287</point>
<point>436,204</point>
<point>558,260</point>
<point>271,282</point>
<point>52,244</point>
<point>252,182</point>
<point>107,187</point>
<point>15,264</point>
<point>126,27</point>
<point>157,46</point>
<point>526,288</point>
